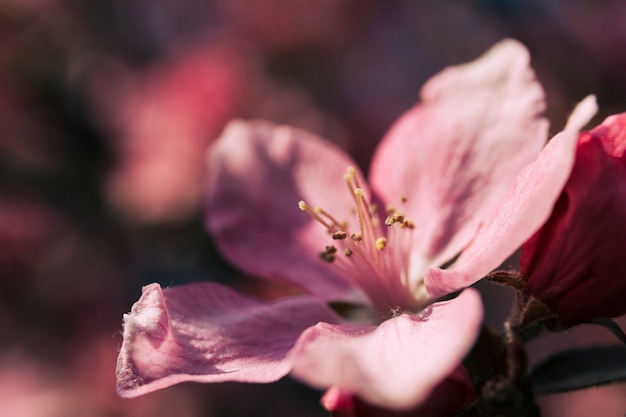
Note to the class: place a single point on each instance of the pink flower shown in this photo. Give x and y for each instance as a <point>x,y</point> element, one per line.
<point>161,120</point>
<point>468,182</point>
<point>575,262</point>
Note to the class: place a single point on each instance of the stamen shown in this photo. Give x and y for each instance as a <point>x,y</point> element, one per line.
<point>340,235</point>
<point>349,182</point>
<point>395,217</point>
<point>398,217</point>
<point>408,224</point>
<point>358,194</point>
<point>327,257</point>
<point>313,213</point>
<point>329,254</point>
<point>334,221</point>
<point>355,180</point>
<point>373,220</point>
<point>375,257</point>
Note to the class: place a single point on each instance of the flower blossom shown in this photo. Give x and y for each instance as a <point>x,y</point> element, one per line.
<point>160,121</point>
<point>575,262</point>
<point>457,184</point>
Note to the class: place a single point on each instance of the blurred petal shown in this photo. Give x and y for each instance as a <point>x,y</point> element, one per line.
<point>339,403</point>
<point>455,155</point>
<point>258,172</point>
<point>575,262</point>
<point>525,207</point>
<point>160,119</point>
<point>397,364</point>
<point>208,333</point>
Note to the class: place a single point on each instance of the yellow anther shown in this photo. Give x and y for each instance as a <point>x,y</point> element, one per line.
<point>364,244</point>
<point>408,224</point>
<point>396,217</point>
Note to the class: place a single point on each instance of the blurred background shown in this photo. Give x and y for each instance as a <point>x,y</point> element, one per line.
<point>106,111</point>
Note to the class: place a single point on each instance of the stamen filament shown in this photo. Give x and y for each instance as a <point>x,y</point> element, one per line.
<point>355,179</point>
<point>358,197</point>
<point>313,213</point>
<point>375,257</point>
<point>368,212</point>
<point>334,221</point>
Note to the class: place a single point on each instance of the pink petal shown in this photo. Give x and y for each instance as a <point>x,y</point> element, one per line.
<point>519,214</point>
<point>395,365</point>
<point>447,399</point>
<point>575,262</point>
<point>258,172</point>
<point>208,333</point>
<point>455,155</point>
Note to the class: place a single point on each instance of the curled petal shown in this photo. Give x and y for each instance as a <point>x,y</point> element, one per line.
<point>455,155</point>
<point>523,209</point>
<point>575,262</point>
<point>208,333</point>
<point>395,365</point>
<point>258,172</point>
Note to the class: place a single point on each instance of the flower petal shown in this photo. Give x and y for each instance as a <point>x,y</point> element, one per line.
<point>208,333</point>
<point>395,365</point>
<point>455,155</point>
<point>520,213</point>
<point>447,399</point>
<point>575,262</point>
<point>258,172</point>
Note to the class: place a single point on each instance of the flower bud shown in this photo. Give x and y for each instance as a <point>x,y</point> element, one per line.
<point>576,261</point>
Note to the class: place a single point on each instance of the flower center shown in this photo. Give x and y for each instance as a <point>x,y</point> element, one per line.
<point>374,255</point>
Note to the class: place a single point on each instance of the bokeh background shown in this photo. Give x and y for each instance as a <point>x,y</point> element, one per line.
<point>107,108</point>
